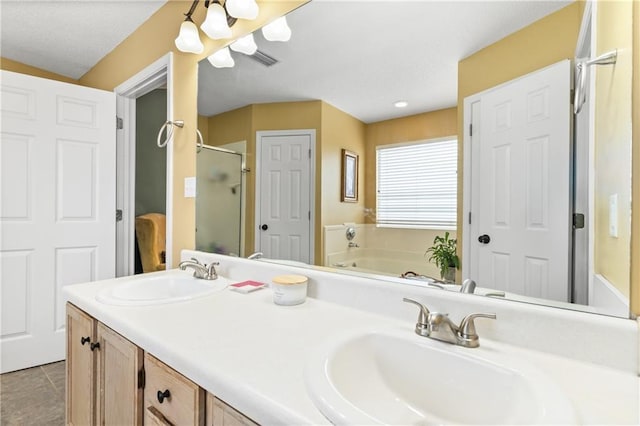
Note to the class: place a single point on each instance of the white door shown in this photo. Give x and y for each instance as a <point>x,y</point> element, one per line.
<point>284,194</point>
<point>57,212</point>
<point>521,176</point>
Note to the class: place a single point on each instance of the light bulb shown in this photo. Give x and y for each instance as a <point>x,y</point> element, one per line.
<point>243,9</point>
<point>222,59</point>
<point>215,24</point>
<point>246,45</point>
<point>188,39</point>
<point>277,30</point>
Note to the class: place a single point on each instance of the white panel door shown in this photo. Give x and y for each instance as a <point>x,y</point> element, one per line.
<point>521,186</point>
<point>57,211</point>
<point>284,222</point>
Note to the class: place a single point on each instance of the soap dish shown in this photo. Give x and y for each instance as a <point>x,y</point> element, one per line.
<point>246,286</point>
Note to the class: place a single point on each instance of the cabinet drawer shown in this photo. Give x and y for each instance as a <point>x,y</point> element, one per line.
<point>221,414</point>
<point>183,401</point>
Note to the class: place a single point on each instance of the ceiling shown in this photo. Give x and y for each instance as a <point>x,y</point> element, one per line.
<point>362,56</point>
<point>68,37</point>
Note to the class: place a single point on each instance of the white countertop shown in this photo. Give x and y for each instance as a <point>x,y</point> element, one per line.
<point>251,353</point>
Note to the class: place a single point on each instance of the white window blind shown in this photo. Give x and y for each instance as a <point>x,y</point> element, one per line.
<point>417,185</point>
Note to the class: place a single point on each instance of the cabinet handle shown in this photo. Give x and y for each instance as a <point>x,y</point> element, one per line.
<point>157,418</point>
<point>163,395</point>
<point>84,340</point>
<point>94,346</point>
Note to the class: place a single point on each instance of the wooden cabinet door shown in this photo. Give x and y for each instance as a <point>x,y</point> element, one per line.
<point>119,395</point>
<point>80,404</point>
<point>182,402</point>
<point>221,414</point>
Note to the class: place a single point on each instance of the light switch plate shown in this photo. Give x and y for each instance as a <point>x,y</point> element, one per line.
<point>613,215</point>
<point>189,187</point>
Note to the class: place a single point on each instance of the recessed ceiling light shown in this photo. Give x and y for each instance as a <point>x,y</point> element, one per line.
<point>401,104</point>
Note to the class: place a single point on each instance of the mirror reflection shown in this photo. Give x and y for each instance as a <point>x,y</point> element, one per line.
<point>399,84</point>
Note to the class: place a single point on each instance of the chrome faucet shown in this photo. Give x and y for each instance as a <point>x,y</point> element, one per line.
<point>469,286</point>
<point>256,255</point>
<point>438,326</point>
<point>200,270</point>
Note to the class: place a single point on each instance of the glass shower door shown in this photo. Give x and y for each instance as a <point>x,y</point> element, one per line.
<point>218,201</point>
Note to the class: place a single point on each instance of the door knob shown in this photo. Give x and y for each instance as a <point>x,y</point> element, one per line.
<point>484,239</point>
<point>264,227</point>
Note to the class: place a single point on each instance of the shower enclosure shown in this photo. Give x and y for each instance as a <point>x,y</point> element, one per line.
<point>219,193</point>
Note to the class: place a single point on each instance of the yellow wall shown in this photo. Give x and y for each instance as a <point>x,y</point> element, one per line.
<point>340,131</point>
<point>546,41</point>
<point>334,130</point>
<point>152,40</point>
<point>10,65</point>
<point>243,123</point>
<point>613,141</point>
<point>635,178</point>
<point>428,125</point>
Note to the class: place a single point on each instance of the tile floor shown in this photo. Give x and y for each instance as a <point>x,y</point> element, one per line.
<point>34,396</point>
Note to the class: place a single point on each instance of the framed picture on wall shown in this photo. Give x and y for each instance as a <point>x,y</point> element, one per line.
<point>349,176</point>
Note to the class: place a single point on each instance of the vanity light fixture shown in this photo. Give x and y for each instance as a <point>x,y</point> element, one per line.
<point>222,59</point>
<point>246,45</point>
<point>277,30</point>
<point>217,24</point>
<point>188,39</point>
<point>243,9</point>
<point>400,104</point>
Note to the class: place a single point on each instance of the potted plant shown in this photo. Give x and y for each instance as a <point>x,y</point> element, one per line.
<point>443,254</point>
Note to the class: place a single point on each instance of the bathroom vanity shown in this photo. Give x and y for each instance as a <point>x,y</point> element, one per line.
<point>231,358</point>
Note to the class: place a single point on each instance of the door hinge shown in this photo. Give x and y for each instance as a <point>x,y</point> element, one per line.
<point>119,123</point>
<point>469,218</point>
<point>578,221</point>
<point>470,129</point>
<point>119,215</point>
<point>572,93</point>
<point>309,153</point>
<point>141,378</point>
<point>309,214</point>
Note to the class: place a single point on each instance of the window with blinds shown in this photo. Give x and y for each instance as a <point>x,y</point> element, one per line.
<point>417,184</point>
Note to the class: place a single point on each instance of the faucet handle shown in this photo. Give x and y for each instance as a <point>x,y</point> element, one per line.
<point>424,312</point>
<point>468,327</point>
<point>211,270</point>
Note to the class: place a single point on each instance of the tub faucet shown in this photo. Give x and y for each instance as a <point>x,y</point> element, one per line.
<point>438,326</point>
<point>200,270</point>
<point>352,244</point>
<point>256,255</point>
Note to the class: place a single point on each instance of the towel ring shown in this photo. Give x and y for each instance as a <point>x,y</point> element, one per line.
<point>579,99</point>
<point>200,142</point>
<point>178,123</point>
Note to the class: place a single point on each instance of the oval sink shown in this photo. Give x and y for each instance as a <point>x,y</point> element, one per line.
<point>400,378</point>
<point>160,289</point>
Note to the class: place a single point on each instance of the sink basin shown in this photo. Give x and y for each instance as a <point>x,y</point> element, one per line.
<point>160,289</point>
<point>399,378</point>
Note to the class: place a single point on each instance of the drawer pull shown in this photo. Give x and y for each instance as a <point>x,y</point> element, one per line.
<point>84,340</point>
<point>94,346</point>
<point>163,395</point>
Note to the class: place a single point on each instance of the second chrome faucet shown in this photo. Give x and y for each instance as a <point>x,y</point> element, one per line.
<point>200,271</point>
<point>438,326</point>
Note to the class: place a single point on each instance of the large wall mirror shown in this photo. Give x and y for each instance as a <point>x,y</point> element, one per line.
<point>398,84</point>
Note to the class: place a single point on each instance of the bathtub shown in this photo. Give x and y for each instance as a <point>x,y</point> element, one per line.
<point>381,262</point>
